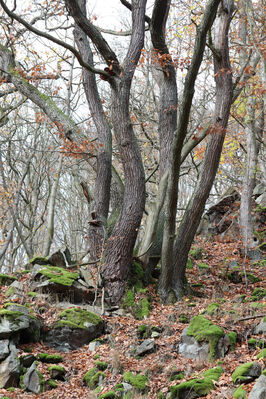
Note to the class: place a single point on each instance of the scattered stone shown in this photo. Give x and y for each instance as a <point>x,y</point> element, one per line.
<point>10,368</point>
<point>57,372</point>
<point>259,389</point>
<point>74,328</point>
<point>246,373</point>
<point>204,340</point>
<point>4,349</point>
<point>261,328</point>
<point>19,324</point>
<point>137,381</point>
<point>33,380</point>
<point>147,346</point>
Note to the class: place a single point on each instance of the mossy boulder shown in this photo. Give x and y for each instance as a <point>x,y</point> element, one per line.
<point>196,387</point>
<point>6,279</point>
<point>196,253</point>
<point>138,381</point>
<point>57,372</point>
<point>262,354</point>
<point>93,378</point>
<point>17,321</point>
<point>75,327</point>
<point>61,284</point>
<point>246,373</point>
<point>203,339</point>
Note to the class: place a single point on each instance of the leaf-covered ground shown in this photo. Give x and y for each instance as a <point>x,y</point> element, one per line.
<point>211,285</point>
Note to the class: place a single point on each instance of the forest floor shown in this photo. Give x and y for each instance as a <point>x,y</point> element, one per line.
<point>213,286</point>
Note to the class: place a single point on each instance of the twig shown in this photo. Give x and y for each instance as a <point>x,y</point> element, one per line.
<point>251,317</point>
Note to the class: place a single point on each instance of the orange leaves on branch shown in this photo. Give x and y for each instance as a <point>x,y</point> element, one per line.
<point>78,150</point>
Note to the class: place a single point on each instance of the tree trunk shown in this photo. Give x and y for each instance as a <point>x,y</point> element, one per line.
<point>97,226</point>
<point>224,92</point>
<point>174,169</point>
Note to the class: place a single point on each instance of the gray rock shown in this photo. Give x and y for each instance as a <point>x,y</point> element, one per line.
<point>260,328</point>
<point>94,345</point>
<point>18,290</point>
<point>147,346</point>
<point>31,380</point>
<point>74,328</point>
<point>259,189</point>
<point>17,322</point>
<point>4,349</point>
<point>259,389</point>
<point>261,200</point>
<point>191,349</point>
<point>10,368</point>
<point>127,387</point>
<point>87,277</point>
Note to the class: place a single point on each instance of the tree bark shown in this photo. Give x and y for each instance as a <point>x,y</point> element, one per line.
<point>174,169</point>
<point>224,93</point>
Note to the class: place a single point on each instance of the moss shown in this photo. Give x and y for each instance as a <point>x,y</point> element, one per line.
<point>56,368</point>
<point>253,279</point>
<point>203,266</point>
<point>6,279</point>
<point>96,379</point>
<point>39,260</point>
<point>11,389</point>
<point>47,358</point>
<point>240,373</point>
<point>200,386</point>
<point>232,337</point>
<point>119,388</point>
<point>96,356</point>
<point>196,253</point>
<point>129,299</point>
<point>262,354</point>
<point>253,343</point>
<point>204,330</point>
<point>101,365</point>
<point>183,318</point>
<point>109,395</point>
<point>256,305</point>
<point>189,264</point>
<point>51,383</point>
<point>240,393</point>
<point>9,314</point>
<point>143,309</point>
<point>32,294</point>
<point>257,294</point>
<point>138,381</point>
<point>90,373</point>
<point>213,309</point>
<point>178,376</point>
<point>58,275</point>
<point>264,372</point>
<point>10,292</point>
<point>77,318</point>
<point>137,270</point>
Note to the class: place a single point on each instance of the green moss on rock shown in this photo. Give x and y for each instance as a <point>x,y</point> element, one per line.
<point>258,294</point>
<point>109,395</point>
<point>204,330</point>
<point>240,374</point>
<point>138,381</point>
<point>88,376</point>
<point>253,343</point>
<point>48,358</point>
<point>203,266</point>
<point>77,318</point>
<point>232,337</point>
<point>101,365</point>
<point>240,393</point>
<point>93,377</point>
<point>262,354</point>
<point>189,264</point>
<point>59,275</point>
<point>57,368</point>
<point>6,279</point>
<point>199,386</point>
